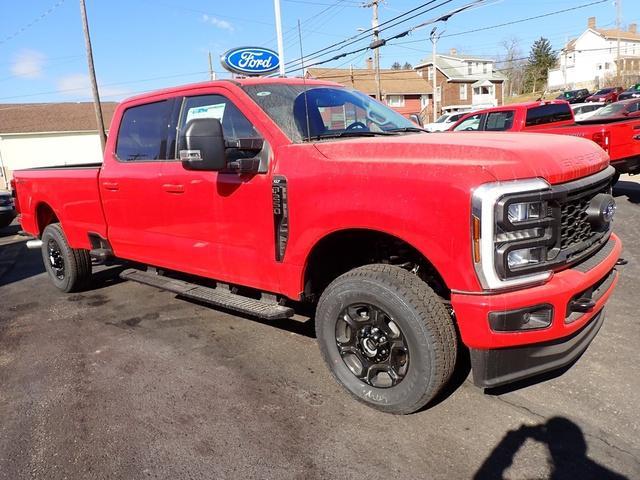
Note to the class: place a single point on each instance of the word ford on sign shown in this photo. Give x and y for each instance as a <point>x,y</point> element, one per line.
<point>250,60</point>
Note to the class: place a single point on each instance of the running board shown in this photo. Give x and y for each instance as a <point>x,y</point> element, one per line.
<point>219,297</point>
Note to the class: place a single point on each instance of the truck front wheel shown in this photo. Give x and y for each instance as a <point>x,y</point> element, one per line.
<point>69,268</point>
<point>387,337</point>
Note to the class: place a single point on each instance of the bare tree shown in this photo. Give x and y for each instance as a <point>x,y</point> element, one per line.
<point>512,64</point>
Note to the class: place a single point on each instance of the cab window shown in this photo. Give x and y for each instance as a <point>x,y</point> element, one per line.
<point>499,121</point>
<point>470,124</point>
<point>142,135</point>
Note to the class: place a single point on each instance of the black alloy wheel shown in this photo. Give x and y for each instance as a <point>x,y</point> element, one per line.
<point>372,345</point>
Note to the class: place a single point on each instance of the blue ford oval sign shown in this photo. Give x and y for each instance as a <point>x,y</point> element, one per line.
<point>250,60</point>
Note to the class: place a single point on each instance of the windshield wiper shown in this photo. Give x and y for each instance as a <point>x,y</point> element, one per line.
<point>408,129</point>
<point>350,133</point>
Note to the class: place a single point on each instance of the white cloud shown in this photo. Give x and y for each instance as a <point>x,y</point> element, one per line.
<point>28,64</point>
<point>216,22</point>
<point>78,85</point>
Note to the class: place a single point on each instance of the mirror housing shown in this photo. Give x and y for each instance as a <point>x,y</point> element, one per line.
<point>416,119</point>
<point>204,147</point>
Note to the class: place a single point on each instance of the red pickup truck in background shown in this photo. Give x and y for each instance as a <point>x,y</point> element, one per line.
<point>258,194</point>
<point>619,137</point>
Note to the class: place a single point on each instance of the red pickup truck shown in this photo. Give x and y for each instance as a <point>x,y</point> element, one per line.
<point>620,138</point>
<point>258,194</point>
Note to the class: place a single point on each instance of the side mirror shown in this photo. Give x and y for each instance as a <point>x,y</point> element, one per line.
<point>204,145</point>
<point>416,119</point>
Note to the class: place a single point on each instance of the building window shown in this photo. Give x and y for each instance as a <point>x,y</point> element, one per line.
<point>395,100</point>
<point>469,68</point>
<point>424,101</point>
<point>484,68</point>
<point>606,66</point>
<point>430,73</point>
<point>438,94</point>
<point>463,91</point>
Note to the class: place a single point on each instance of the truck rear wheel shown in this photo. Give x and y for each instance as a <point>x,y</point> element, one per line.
<point>69,268</point>
<point>386,337</point>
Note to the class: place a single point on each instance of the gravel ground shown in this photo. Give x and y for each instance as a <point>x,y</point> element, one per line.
<point>125,381</point>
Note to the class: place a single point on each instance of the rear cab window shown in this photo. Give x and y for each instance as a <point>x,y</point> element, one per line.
<point>550,113</point>
<point>143,131</point>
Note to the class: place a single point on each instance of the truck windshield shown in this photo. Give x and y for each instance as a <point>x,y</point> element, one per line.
<point>315,112</point>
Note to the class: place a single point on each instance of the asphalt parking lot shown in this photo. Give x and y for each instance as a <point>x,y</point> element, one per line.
<point>125,381</point>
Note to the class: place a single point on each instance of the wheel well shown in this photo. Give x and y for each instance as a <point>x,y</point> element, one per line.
<point>45,216</point>
<point>342,251</point>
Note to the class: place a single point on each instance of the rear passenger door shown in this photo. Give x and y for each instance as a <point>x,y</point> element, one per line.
<point>131,183</point>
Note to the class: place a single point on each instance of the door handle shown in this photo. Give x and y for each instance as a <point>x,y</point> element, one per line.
<point>173,188</point>
<point>113,186</point>
<point>636,137</point>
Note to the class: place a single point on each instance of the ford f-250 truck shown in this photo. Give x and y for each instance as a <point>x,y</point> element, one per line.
<point>619,137</point>
<point>270,192</point>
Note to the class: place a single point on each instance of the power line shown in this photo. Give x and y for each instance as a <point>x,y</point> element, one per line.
<point>39,18</point>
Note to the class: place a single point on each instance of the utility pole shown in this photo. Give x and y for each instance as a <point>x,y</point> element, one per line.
<point>212,74</point>
<point>434,37</point>
<point>92,77</point>
<point>618,21</point>
<point>276,7</point>
<point>376,51</point>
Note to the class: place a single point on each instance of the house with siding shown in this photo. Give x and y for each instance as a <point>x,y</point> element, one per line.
<point>406,91</point>
<point>591,60</point>
<point>463,82</point>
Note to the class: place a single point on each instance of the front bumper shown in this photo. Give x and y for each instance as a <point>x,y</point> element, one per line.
<point>489,348</point>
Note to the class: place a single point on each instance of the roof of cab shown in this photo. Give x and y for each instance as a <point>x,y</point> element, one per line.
<point>236,81</point>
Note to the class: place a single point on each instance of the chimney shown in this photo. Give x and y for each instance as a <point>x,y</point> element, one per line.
<point>591,23</point>
<point>453,51</point>
<point>369,63</point>
<point>633,27</point>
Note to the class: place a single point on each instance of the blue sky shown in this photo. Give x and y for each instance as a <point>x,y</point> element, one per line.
<point>142,45</point>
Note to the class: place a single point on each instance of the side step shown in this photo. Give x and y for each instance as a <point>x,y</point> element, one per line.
<point>214,296</point>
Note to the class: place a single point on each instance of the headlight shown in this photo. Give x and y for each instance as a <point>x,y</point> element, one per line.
<point>513,233</point>
<point>521,212</point>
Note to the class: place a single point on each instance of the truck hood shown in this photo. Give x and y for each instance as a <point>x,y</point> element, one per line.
<point>506,156</point>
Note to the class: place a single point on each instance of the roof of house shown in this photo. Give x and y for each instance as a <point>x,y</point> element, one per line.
<point>455,68</point>
<point>612,34</point>
<point>52,117</point>
<point>400,82</point>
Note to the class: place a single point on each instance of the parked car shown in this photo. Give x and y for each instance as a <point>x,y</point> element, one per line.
<point>444,122</point>
<point>7,209</point>
<point>605,95</point>
<point>632,92</point>
<point>619,110</point>
<point>273,191</point>
<point>582,111</point>
<point>615,135</point>
<point>574,96</point>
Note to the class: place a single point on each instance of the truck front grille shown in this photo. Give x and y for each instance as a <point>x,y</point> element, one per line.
<point>576,232</point>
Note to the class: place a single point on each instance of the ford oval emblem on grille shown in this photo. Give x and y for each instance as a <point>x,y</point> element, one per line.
<point>250,60</point>
<point>601,210</point>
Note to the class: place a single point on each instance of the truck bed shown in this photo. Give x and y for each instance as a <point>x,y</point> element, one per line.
<point>68,193</point>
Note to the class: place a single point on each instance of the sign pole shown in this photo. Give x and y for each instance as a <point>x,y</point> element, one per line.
<point>276,5</point>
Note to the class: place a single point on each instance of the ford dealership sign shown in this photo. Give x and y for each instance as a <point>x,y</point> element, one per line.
<point>250,60</point>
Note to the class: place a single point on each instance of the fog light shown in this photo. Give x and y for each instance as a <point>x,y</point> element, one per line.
<point>525,256</point>
<point>530,318</point>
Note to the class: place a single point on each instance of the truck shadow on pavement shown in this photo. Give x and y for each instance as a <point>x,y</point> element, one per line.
<point>567,452</point>
<point>629,189</point>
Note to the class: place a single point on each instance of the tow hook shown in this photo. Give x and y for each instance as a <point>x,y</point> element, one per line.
<point>582,305</point>
<point>621,261</point>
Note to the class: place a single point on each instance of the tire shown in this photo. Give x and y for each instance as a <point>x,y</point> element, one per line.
<point>421,322</point>
<point>69,268</point>
<point>616,177</point>
<point>5,221</point>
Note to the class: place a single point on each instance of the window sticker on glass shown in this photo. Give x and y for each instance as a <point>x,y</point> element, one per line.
<point>264,93</point>
<point>207,111</point>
